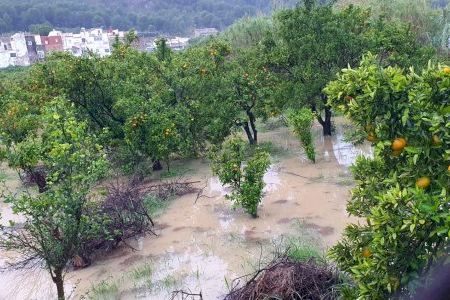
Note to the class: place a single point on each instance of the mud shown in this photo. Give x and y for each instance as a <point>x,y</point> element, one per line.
<point>204,243</point>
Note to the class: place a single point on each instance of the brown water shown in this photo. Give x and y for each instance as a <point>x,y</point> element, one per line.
<point>202,245</point>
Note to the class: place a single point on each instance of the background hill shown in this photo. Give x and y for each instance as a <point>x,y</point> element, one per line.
<point>167,16</point>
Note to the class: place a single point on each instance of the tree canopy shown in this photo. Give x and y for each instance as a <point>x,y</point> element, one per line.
<point>155,15</point>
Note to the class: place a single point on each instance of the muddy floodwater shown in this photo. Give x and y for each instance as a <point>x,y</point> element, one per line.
<point>204,243</point>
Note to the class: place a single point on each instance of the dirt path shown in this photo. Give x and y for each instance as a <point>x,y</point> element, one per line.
<point>201,246</point>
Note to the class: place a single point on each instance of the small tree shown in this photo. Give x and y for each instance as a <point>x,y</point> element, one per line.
<point>301,121</point>
<point>403,192</point>
<point>55,224</point>
<point>313,42</point>
<point>244,177</point>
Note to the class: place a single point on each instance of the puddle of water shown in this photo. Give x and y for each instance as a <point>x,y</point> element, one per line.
<point>215,186</point>
<point>272,179</point>
<point>12,184</point>
<point>201,244</point>
<point>346,153</point>
<point>187,272</point>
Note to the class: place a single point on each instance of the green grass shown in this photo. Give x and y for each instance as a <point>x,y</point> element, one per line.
<point>105,290</point>
<point>168,282</point>
<point>300,250</point>
<point>142,272</point>
<point>3,176</point>
<point>142,276</point>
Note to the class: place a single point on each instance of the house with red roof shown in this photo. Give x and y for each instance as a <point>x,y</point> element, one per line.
<point>52,43</point>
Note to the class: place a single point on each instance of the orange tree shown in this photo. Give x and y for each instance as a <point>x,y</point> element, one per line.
<point>244,175</point>
<point>402,193</point>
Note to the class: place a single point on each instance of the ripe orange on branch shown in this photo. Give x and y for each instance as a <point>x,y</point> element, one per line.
<point>423,182</point>
<point>399,144</point>
<point>366,253</point>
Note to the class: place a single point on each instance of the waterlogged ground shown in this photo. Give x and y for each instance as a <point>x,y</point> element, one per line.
<point>203,243</point>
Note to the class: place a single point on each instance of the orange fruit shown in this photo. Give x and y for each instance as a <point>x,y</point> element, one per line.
<point>448,168</point>
<point>371,137</point>
<point>423,182</point>
<point>398,144</point>
<point>447,70</point>
<point>366,253</point>
<point>435,140</point>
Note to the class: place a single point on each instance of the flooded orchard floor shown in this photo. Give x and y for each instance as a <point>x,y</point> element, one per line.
<point>203,243</point>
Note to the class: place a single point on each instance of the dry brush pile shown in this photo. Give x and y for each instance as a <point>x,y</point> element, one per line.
<point>286,278</point>
<point>126,214</point>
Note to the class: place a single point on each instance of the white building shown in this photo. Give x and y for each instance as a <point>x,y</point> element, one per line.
<point>178,43</point>
<point>113,33</point>
<point>95,40</point>
<point>92,40</point>
<point>19,46</point>
<point>7,56</point>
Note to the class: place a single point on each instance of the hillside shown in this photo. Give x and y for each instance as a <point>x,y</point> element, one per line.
<point>167,16</point>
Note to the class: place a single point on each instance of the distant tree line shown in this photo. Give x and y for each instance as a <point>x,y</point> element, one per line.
<point>171,16</point>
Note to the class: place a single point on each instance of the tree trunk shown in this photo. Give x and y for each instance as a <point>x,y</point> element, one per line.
<point>59,281</point>
<point>252,119</point>
<point>251,140</point>
<point>37,176</point>
<point>157,166</point>
<point>327,122</point>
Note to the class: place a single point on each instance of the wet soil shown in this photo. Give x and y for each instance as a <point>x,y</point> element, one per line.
<point>204,243</point>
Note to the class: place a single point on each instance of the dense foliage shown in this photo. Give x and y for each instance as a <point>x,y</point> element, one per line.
<point>243,174</point>
<point>403,192</point>
<point>428,19</point>
<point>309,44</point>
<point>155,15</point>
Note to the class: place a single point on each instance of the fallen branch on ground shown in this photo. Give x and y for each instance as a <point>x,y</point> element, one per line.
<point>285,278</point>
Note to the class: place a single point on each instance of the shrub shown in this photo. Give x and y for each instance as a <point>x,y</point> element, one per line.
<point>301,122</point>
<point>245,178</point>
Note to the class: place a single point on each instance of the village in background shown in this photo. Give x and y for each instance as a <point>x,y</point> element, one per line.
<point>23,49</point>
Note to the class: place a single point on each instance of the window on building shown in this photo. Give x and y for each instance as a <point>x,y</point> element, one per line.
<point>29,43</point>
<point>4,46</point>
<point>12,54</point>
